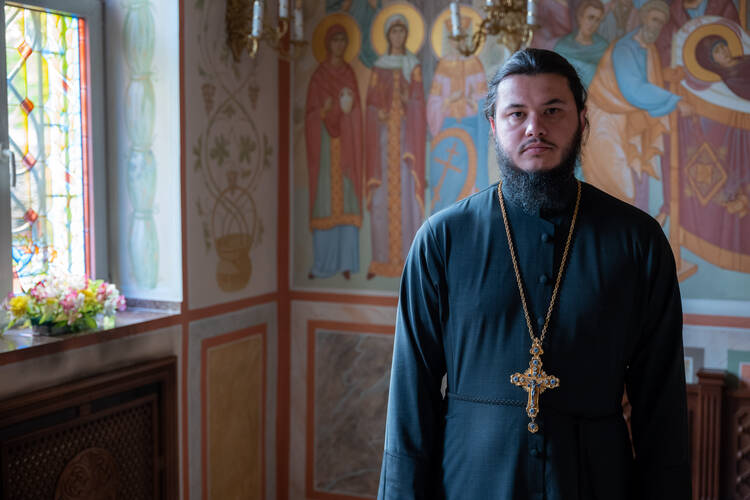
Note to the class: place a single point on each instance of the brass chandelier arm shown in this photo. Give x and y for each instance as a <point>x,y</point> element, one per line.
<point>238,18</point>
<point>507,21</point>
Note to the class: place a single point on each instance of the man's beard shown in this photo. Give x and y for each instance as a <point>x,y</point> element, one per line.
<point>545,191</point>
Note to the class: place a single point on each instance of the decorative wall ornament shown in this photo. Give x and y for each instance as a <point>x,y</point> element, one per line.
<point>231,155</point>
<point>140,111</point>
<point>90,474</point>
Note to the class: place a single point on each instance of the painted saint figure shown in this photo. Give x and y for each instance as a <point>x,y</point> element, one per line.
<point>458,160</point>
<point>628,105</point>
<point>395,149</point>
<point>585,47</point>
<point>364,12</point>
<point>713,54</point>
<point>333,131</point>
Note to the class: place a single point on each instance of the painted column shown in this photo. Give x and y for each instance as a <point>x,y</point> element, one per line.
<point>140,108</point>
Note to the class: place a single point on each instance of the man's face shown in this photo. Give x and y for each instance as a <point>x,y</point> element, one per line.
<point>536,121</point>
<point>338,44</point>
<point>397,36</point>
<point>653,21</point>
<point>589,20</point>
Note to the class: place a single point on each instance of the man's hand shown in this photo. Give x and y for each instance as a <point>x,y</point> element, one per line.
<point>674,75</point>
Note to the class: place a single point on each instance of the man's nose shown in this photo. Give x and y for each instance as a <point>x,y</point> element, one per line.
<point>535,126</point>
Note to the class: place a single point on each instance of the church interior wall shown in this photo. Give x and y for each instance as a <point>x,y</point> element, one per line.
<point>232,219</point>
<point>717,299</point>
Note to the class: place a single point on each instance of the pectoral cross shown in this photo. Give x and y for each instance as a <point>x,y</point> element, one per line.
<point>534,381</point>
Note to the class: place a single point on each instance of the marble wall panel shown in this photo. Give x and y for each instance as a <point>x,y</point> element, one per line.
<point>350,394</point>
<point>349,379</point>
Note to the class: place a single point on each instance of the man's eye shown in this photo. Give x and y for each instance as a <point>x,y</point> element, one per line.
<point>552,111</point>
<point>517,114</point>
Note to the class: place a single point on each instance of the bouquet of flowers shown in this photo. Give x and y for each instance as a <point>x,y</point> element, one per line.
<point>64,303</point>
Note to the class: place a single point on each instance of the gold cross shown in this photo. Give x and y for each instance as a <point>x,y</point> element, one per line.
<point>534,381</point>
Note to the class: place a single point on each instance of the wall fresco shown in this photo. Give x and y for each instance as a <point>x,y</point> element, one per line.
<point>229,162</point>
<point>670,123</point>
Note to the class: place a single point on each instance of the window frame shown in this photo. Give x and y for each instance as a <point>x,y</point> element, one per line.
<point>96,135</point>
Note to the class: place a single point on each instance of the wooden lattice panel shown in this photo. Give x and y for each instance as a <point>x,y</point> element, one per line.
<point>742,463</point>
<point>34,464</point>
<point>109,437</point>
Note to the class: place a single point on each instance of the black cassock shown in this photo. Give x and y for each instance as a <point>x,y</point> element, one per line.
<point>617,323</point>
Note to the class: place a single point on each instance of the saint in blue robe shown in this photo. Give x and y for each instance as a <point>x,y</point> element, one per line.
<point>584,58</point>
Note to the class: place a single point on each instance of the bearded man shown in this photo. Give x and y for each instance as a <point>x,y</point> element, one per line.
<point>539,301</point>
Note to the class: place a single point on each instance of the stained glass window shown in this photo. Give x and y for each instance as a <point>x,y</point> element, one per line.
<point>45,64</point>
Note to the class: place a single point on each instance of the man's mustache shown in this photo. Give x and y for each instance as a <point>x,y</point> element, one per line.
<point>523,147</point>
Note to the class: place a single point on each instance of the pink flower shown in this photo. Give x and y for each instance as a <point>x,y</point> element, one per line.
<point>121,306</point>
<point>68,302</point>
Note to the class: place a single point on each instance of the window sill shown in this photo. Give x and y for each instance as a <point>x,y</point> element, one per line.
<point>20,344</point>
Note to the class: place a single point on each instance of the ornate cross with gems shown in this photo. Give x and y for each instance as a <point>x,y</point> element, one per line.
<point>534,381</point>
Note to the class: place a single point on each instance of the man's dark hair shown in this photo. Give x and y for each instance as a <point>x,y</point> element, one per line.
<point>535,62</point>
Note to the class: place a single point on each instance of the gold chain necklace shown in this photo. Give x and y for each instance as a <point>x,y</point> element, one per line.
<point>534,380</point>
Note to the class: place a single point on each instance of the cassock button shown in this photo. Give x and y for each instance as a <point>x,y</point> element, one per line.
<point>540,321</point>
<point>543,279</point>
<point>534,452</point>
<point>546,237</point>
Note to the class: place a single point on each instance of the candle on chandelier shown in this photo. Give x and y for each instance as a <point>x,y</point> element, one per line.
<point>284,9</point>
<point>531,13</point>
<point>489,3</point>
<point>257,19</point>
<point>299,27</point>
<point>455,20</point>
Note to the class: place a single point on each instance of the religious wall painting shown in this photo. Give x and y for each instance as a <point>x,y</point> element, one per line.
<point>689,133</point>
<point>395,131</point>
<point>584,46</point>
<point>363,11</point>
<point>333,134</point>
<point>457,127</point>
<point>710,204</point>
<point>230,155</point>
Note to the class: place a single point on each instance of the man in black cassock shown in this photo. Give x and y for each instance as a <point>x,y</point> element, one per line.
<point>537,420</point>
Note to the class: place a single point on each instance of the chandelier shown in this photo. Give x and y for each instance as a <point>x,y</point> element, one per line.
<point>246,27</point>
<point>512,21</point>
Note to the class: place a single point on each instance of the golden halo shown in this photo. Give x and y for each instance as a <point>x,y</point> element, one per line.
<point>688,49</point>
<point>438,27</point>
<point>319,49</point>
<point>415,38</point>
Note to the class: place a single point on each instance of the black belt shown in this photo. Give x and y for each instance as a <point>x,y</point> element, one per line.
<point>522,404</point>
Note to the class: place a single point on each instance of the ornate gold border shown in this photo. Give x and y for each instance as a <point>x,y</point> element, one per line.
<point>688,49</point>
<point>416,27</point>
<point>319,48</point>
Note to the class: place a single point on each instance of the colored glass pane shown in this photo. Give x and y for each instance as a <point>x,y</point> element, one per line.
<point>46,133</point>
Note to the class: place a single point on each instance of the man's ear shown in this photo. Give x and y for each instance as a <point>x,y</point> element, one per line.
<point>582,118</point>
<point>492,125</point>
